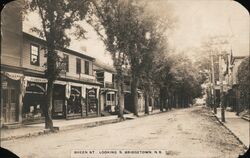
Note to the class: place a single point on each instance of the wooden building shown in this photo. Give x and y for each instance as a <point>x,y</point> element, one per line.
<point>108,93</point>
<point>23,82</point>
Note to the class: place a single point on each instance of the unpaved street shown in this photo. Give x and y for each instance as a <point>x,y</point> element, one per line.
<point>191,132</point>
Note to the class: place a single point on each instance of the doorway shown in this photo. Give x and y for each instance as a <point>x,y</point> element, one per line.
<point>9,104</point>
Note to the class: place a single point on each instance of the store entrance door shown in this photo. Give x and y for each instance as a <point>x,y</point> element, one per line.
<point>9,97</point>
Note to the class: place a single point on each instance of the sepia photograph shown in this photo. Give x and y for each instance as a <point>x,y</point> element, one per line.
<point>125,79</point>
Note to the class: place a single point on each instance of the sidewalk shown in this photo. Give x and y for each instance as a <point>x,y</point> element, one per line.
<point>238,126</point>
<point>62,125</point>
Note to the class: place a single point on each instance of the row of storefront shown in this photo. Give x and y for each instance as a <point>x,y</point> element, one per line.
<point>23,99</point>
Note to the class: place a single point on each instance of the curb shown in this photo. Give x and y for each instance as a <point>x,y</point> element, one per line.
<point>245,147</point>
<point>246,118</point>
<point>144,115</point>
<point>41,132</point>
<point>70,127</point>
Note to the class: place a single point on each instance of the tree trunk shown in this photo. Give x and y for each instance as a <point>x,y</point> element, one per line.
<point>134,85</point>
<point>161,99</point>
<point>153,103</point>
<point>120,100</point>
<point>51,77</point>
<point>146,103</point>
<point>177,101</point>
<point>48,106</point>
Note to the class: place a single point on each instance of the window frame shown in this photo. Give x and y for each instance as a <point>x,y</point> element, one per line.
<point>109,97</point>
<point>66,56</point>
<point>78,67</point>
<point>38,54</point>
<point>85,67</point>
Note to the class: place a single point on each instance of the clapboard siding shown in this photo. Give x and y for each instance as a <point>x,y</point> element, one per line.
<point>11,34</point>
<point>72,61</point>
<point>26,56</point>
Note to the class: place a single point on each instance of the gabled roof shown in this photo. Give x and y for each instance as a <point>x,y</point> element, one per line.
<point>237,58</point>
<point>100,66</point>
<point>66,50</point>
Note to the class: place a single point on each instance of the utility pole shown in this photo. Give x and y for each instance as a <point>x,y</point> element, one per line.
<point>221,41</point>
<point>221,89</point>
<point>213,84</point>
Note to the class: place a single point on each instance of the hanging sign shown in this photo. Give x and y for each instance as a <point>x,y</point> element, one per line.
<point>67,91</point>
<point>83,91</point>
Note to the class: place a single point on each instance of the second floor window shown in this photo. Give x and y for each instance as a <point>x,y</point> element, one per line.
<point>86,66</point>
<point>78,66</point>
<point>66,62</point>
<point>34,55</point>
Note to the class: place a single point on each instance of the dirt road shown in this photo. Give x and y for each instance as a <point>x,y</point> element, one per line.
<point>191,132</point>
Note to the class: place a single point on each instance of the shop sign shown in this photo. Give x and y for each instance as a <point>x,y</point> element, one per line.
<point>14,76</point>
<point>60,82</point>
<point>35,79</point>
<point>4,84</point>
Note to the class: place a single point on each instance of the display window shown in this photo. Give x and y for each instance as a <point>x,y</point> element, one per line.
<point>92,101</point>
<point>34,101</point>
<point>74,102</point>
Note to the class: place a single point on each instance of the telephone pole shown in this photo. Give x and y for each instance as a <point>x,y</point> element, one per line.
<point>221,89</point>
<point>213,83</point>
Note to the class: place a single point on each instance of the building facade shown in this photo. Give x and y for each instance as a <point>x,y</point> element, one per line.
<point>23,81</point>
<point>108,92</point>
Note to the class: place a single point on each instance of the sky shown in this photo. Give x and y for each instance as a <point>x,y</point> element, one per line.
<point>194,21</point>
<point>199,19</point>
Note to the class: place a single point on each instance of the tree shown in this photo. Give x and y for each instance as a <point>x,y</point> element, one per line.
<point>243,76</point>
<point>126,24</point>
<point>178,80</point>
<point>56,16</point>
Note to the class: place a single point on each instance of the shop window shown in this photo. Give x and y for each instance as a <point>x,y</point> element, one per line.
<point>13,96</point>
<point>91,101</point>
<point>74,102</point>
<point>113,97</point>
<point>66,62</point>
<point>86,66</point>
<point>78,65</point>
<point>108,97</point>
<point>34,54</point>
<point>5,97</point>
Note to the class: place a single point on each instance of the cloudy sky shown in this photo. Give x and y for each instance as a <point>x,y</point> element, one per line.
<point>195,20</point>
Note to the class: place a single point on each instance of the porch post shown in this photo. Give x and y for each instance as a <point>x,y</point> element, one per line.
<point>22,90</point>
